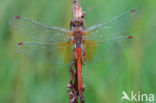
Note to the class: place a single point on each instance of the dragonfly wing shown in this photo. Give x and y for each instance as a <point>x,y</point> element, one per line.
<point>110,38</point>
<point>115,28</point>
<point>97,51</point>
<point>38,31</point>
<point>49,52</point>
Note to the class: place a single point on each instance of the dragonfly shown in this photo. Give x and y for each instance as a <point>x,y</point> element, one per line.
<point>78,45</point>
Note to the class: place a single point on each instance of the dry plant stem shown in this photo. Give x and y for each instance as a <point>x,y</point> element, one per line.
<point>73,90</point>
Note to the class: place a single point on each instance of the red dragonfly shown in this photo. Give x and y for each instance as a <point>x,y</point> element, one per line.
<point>77,45</point>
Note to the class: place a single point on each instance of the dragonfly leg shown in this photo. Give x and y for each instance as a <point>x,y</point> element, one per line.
<point>70,39</point>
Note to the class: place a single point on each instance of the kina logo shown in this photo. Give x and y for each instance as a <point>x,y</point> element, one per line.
<point>137,97</point>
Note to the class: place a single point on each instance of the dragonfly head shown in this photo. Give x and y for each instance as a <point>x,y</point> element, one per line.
<point>77,23</point>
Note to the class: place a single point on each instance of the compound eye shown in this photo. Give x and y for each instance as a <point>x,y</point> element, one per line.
<point>78,22</point>
<point>75,24</point>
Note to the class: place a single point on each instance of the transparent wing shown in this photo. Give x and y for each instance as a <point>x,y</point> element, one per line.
<point>99,51</point>
<point>38,31</point>
<point>49,52</point>
<point>114,28</point>
<point>106,40</point>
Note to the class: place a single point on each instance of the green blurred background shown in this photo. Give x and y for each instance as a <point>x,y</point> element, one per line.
<point>23,80</point>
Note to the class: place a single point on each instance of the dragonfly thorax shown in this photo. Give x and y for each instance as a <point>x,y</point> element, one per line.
<point>78,37</point>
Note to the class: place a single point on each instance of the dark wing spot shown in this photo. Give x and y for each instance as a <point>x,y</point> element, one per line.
<point>18,17</point>
<point>20,43</point>
<point>130,37</point>
<point>132,10</point>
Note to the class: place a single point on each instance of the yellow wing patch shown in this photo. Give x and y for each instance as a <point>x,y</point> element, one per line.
<point>66,51</point>
<point>90,48</point>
